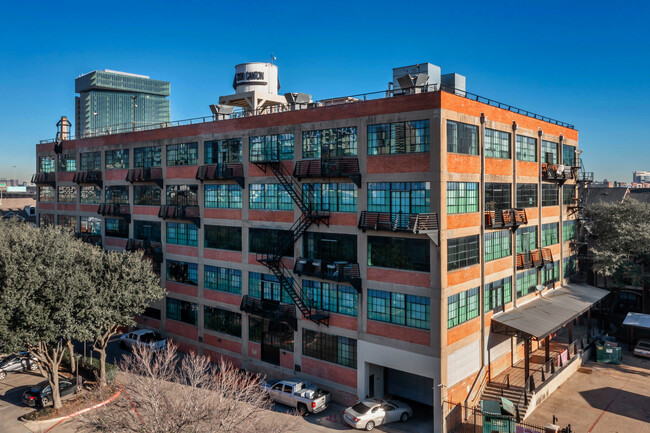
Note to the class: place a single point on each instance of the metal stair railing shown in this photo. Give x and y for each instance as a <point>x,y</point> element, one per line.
<point>273,261</point>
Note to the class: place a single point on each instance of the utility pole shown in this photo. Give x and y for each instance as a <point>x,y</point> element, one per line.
<point>134,98</point>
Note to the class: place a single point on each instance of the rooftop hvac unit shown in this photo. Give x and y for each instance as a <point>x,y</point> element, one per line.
<point>411,83</point>
<point>222,110</point>
<point>298,98</point>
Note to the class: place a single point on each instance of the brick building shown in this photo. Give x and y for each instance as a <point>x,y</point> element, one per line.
<point>364,244</point>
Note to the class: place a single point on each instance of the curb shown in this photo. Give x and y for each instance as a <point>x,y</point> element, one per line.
<point>57,421</point>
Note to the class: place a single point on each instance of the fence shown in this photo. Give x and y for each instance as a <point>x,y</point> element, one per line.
<point>478,422</point>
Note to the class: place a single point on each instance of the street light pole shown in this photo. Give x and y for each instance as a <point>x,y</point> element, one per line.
<point>15,183</point>
<point>95,121</point>
<point>134,98</point>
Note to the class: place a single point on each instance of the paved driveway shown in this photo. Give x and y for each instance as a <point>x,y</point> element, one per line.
<point>11,405</point>
<point>602,398</point>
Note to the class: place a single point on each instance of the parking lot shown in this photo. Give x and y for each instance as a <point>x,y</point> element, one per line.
<point>11,406</point>
<point>602,398</point>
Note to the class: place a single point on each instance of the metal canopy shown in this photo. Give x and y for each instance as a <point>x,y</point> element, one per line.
<point>545,315</point>
<point>637,320</point>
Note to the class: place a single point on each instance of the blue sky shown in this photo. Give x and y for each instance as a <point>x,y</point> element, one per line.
<point>585,63</point>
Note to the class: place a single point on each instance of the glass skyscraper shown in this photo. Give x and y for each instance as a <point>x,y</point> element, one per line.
<point>112,101</point>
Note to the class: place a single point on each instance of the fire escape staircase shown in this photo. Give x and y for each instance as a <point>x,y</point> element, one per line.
<point>273,261</point>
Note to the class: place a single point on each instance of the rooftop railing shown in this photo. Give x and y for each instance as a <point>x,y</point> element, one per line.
<point>241,112</point>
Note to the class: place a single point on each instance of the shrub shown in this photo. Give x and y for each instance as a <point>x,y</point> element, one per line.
<point>91,365</point>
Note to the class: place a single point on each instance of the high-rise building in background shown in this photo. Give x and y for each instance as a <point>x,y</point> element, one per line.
<point>641,176</point>
<point>112,101</point>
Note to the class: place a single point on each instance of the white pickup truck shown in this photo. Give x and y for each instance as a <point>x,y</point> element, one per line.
<point>300,395</point>
<point>145,337</point>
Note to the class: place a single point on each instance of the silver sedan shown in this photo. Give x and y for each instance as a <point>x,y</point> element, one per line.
<point>367,414</point>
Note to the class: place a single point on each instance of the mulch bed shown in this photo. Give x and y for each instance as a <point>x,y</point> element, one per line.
<point>86,398</point>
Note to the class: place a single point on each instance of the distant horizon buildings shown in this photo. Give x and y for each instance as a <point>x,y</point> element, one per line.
<point>119,101</point>
<point>641,176</point>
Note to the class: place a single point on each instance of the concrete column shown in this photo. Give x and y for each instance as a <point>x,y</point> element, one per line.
<point>482,239</point>
<point>526,360</point>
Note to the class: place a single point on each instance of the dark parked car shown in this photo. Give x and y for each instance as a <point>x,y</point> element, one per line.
<point>23,361</point>
<point>41,394</point>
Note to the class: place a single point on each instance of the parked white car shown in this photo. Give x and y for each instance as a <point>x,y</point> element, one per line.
<point>367,414</point>
<point>145,337</point>
<point>300,395</point>
<point>642,348</point>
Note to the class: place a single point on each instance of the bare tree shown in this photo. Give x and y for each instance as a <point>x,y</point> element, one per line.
<point>164,393</point>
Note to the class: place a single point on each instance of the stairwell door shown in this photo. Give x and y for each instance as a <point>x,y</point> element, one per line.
<point>400,203</point>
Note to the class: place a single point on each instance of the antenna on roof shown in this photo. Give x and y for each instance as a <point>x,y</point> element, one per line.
<point>273,58</point>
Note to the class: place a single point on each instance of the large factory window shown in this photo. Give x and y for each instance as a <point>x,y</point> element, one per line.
<point>146,230</point>
<point>329,143</point>
<point>67,194</point>
<point>183,154</point>
<point>222,279</point>
<point>550,192</point>
<point>68,162</point>
<point>46,194</point>
<point>91,194</point>
<point>462,138</point>
<point>117,194</point>
<point>182,234</point>
<point>271,147</point>
<point>46,164</point>
<point>117,227</point>
<point>222,151</point>
<point>400,137</point>
<point>334,197</point>
<point>497,144</point>
<point>90,161</point>
<point>526,148</point>
<point>331,348</point>
<point>526,195</point>
<point>268,241</point>
<point>549,152</point>
<point>183,272</point>
<point>146,195</point>
<point>550,233</point>
<point>182,195</point>
<point>399,253</point>
<point>225,196</point>
<point>117,159</point>
<point>497,196</point>
<point>399,308</point>
<point>462,252</point>
<point>269,196</point>
<point>147,157</point>
<point>223,237</point>
<point>526,238</point>
<point>398,197</point>
<point>337,298</point>
<point>497,245</point>
<point>462,197</point>
<point>568,155</point>
<point>182,311</point>
<point>462,307</point>
<point>526,282</point>
<point>498,294</point>
<point>220,320</point>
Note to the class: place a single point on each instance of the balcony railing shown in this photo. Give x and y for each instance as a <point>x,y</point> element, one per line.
<point>558,172</point>
<point>534,259</point>
<point>229,171</point>
<point>90,238</point>
<point>115,210</point>
<point>152,250</point>
<point>145,175</point>
<point>272,310</point>
<point>496,219</point>
<point>44,179</point>
<point>342,272</point>
<point>398,222</point>
<point>91,177</point>
<point>181,212</point>
<point>334,167</point>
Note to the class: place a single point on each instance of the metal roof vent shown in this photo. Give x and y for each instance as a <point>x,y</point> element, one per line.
<point>413,83</point>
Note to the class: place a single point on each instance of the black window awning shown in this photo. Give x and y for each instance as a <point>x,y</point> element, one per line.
<point>545,315</point>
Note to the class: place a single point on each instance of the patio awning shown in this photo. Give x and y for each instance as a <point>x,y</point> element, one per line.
<point>545,315</point>
<point>637,320</point>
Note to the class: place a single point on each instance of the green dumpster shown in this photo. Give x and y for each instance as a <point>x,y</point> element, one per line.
<point>498,417</point>
<point>608,354</point>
